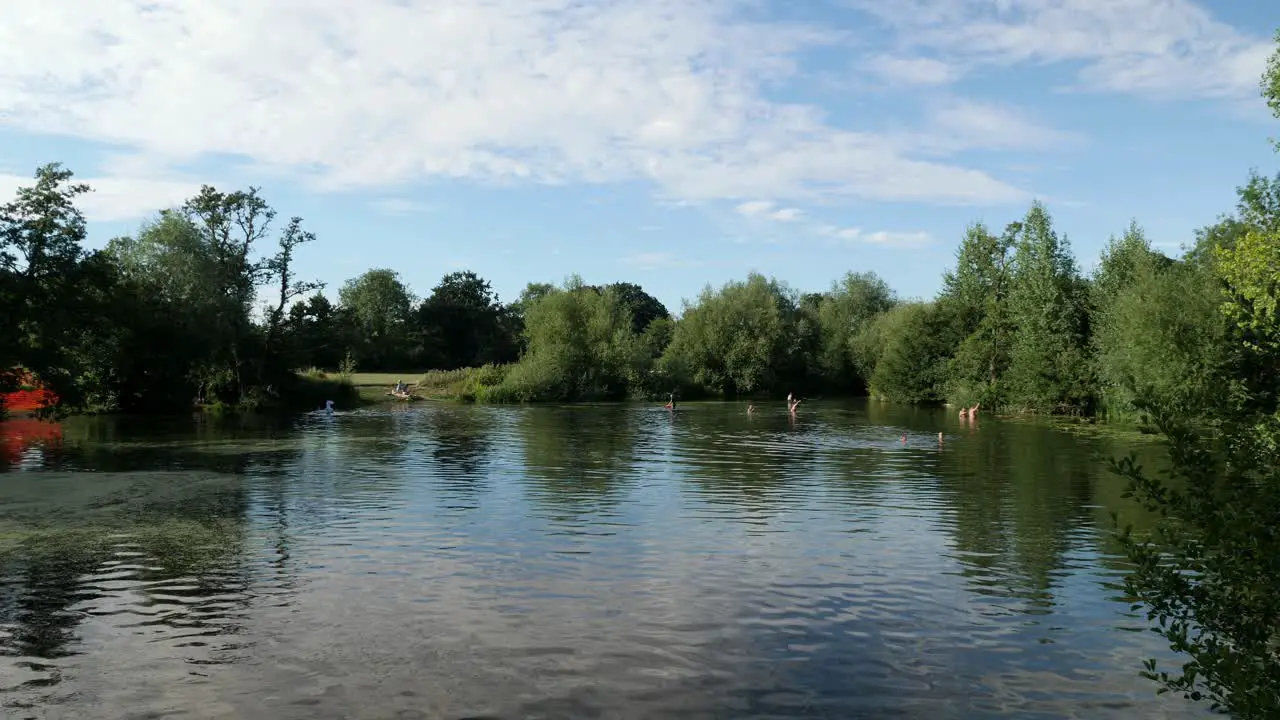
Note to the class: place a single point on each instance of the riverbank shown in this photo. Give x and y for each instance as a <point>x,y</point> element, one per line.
<point>486,385</point>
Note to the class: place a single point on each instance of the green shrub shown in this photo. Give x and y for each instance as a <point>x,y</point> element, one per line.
<point>463,384</point>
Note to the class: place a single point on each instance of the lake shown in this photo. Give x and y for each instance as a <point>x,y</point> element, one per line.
<point>594,561</point>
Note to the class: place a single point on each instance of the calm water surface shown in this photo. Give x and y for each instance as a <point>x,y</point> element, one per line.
<point>439,561</point>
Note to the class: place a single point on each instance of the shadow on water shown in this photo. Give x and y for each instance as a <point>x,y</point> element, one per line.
<point>593,561</point>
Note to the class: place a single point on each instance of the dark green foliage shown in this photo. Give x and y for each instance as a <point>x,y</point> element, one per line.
<point>154,322</point>
<point>907,350</point>
<point>644,307</point>
<point>1049,366</point>
<point>462,324</point>
<point>380,308</point>
<point>739,339</point>
<point>1207,575</point>
<point>976,294</point>
<point>1163,332</point>
<point>838,318</point>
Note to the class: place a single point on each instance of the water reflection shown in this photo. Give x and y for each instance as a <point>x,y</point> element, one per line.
<point>579,458</point>
<point>606,561</point>
<point>24,441</point>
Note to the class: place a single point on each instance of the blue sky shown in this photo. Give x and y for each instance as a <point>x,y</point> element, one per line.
<point>666,142</point>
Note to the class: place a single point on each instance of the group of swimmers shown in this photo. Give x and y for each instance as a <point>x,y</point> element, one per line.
<point>792,403</point>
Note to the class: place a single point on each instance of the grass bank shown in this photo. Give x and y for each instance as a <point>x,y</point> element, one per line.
<point>474,384</point>
<point>313,387</point>
<point>373,387</point>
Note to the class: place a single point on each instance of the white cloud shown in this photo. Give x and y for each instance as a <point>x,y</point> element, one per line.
<point>879,237</point>
<point>912,70</point>
<point>765,209</point>
<point>754,208</point>
<point>1170,48</point>
<point>550,91</point>
<point>561,91</point>
<point>897,239</point>
<point>399,206</point>
<point>961,124</point>
<point>116,198</point>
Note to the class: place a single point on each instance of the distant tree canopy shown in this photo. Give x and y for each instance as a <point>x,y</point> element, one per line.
<point>165,315</point>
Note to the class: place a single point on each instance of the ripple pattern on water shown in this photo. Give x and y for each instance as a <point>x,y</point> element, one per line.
<point>592,561</point>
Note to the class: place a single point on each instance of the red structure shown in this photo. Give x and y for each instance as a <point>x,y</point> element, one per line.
<point>29,397</point>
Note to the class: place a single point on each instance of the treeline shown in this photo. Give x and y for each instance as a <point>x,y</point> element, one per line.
<point>166,317</point>
<point>155,322</point>
<point>1016,327</point>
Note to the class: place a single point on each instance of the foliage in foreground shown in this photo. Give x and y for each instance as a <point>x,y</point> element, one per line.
<point>1207,575</point>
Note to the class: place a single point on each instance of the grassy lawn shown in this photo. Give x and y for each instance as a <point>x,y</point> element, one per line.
<point>384,380</point>
<point>373,387</point>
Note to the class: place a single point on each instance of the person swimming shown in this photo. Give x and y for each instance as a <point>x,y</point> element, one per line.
<point>671,401</point>
<point>328,407</point>
<point>792,404</point>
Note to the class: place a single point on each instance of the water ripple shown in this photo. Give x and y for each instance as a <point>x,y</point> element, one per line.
<point>591,561</point>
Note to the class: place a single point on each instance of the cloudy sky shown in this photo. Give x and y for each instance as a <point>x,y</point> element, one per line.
<point>667,142</point>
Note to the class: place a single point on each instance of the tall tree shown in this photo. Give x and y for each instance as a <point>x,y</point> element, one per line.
<point>41,258</point>
<point>852,302</point>
<point>380,306</point>
<point>976,294</point>
<point>1049,368</point>
<point>1207,574</point>
<point>464,324</point>
<point>644,307</point>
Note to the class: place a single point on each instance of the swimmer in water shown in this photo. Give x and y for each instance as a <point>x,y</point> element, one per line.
<point>792,404</point>
<point>751,409</point>
<point>328,407</point>
<point>939,438</point>
<point>904,438</point>
<point>671,401</point>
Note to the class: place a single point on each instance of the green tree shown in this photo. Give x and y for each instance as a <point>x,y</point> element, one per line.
<point>466,324</point>
<point>44,282</point>
<point>1162,337</point>
<point>852,302</point>
<point>288,288</point>
<point>1049,366</point>
<point>1125,280</point>
<point>644,307</point>
<point>581,345</point>
<point>1207,574</point>
<point>380,306</point>
<point>976,294</point>
<point>319,332</point>
<point>734,340</point>
<point>908,350</point>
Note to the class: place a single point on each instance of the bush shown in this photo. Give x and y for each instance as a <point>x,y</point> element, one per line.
<point>306,392</point>
<point>465,384</point>
<point>1208,573</point>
